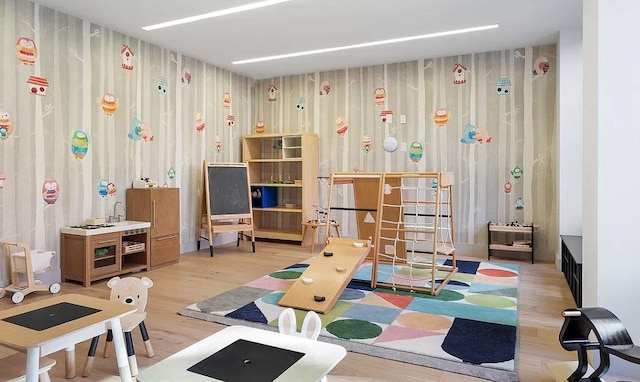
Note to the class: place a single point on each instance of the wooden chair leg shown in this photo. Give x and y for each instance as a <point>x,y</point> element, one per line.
<point>145,338</point>
<point>88,363</point>
<point>131,354</point>
<point>108,345</point>
<point>313,238</point>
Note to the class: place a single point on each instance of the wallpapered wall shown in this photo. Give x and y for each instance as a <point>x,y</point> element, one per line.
<point>81,63</point>
<point>516,129</point>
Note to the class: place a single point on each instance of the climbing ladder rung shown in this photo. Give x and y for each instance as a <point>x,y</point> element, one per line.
<point>406,230</point>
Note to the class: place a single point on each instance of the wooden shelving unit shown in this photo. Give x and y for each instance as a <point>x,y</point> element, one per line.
<point>289,163</point>
<point>515,238</point>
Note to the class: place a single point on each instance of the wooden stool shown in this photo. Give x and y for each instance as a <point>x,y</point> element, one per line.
<point>13,368</point>
<point>314,225</point>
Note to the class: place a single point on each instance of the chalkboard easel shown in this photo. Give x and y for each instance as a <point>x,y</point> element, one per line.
<point>225,202</point>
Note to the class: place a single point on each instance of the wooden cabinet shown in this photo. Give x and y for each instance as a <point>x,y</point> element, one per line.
<point>160,207</point>
<point>87,257</point>
<point>286,164</point>
<point>513,237</point>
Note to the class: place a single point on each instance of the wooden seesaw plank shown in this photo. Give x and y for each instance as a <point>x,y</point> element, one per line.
<point>329,276</point>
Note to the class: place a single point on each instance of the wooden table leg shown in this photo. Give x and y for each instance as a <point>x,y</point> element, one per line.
<point>70,362</point>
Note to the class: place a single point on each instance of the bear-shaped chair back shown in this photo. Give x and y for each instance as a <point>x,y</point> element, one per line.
<point>131,291</point>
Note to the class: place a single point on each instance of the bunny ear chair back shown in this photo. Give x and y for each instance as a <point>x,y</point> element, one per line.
<point>310,326</point>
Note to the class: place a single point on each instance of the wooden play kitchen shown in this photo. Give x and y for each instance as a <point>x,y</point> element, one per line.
<point>94,254</point>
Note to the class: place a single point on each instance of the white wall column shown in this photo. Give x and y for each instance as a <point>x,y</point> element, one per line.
<point>611,233</point>
<point>570,134</point>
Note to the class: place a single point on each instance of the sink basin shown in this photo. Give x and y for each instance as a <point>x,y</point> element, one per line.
<point>121,223</point>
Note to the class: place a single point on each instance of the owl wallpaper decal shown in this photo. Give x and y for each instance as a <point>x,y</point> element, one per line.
<point>26,50</point>
<point>6,124</point>
<point>109,104</point>
<point>79,144</point>
<point>50,191</point>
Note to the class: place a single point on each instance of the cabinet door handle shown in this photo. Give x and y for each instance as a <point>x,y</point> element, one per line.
<point>166,237</point>
<point>154,214</point>
<point>107,241</point>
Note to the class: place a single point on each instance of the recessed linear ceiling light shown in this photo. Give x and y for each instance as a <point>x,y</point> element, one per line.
<point>222,12</point>
<point>366,44</point>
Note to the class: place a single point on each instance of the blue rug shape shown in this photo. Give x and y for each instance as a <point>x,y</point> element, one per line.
<point>479,342</point>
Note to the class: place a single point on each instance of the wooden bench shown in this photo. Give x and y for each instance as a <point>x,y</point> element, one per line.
<point>612,339</point>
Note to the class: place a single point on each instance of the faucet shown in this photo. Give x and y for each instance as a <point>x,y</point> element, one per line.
<point>114,216</point>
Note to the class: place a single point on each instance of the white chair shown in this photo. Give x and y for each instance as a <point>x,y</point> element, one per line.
<point>13,368</point>
<point>310,326</point>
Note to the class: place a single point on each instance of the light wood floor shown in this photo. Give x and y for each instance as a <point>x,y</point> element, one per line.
<point>543,296</point>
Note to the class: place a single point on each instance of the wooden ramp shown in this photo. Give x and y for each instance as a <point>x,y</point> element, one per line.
<point>328,276</point>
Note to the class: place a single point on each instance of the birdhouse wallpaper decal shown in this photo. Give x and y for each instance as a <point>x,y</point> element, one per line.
<point>26,51</point>
<point>260,127</point>
<point>231,120</point>
<point>226,100</point>
<point>301,104</point>
<point>163,85</point>
<point>127,57</point>
<point>503,86</point>
<point>50,191</point>
<point>2,179</point>
<point>441,116</point>
<point>386,116</point>
<point>366,144</point>
<point>38,85</point>
<point>341,126</point>
<point>109,104</point>
<point>6,124</point>
<point>379,96</point>
<point>541,66</point>
<point>325,88</point>
<point>171,173</point>
<point>272,93</point>
<point>79,144</point>
<point>415,151</point>
<point>186,76</point>
<point>218,145</point>
<point>199,122</point>
<point>459,74</point>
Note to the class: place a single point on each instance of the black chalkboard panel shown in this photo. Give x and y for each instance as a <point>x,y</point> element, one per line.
<point>228,190</point>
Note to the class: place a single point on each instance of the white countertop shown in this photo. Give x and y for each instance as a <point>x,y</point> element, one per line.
<point>126,225</point>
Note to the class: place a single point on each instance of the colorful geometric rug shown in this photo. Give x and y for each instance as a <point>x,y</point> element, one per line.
<point>469,328</point>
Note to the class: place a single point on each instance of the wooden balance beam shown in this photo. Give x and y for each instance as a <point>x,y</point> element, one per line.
<point>322,283</point>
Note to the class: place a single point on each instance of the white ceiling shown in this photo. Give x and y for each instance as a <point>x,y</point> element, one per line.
<point>301,25</point>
